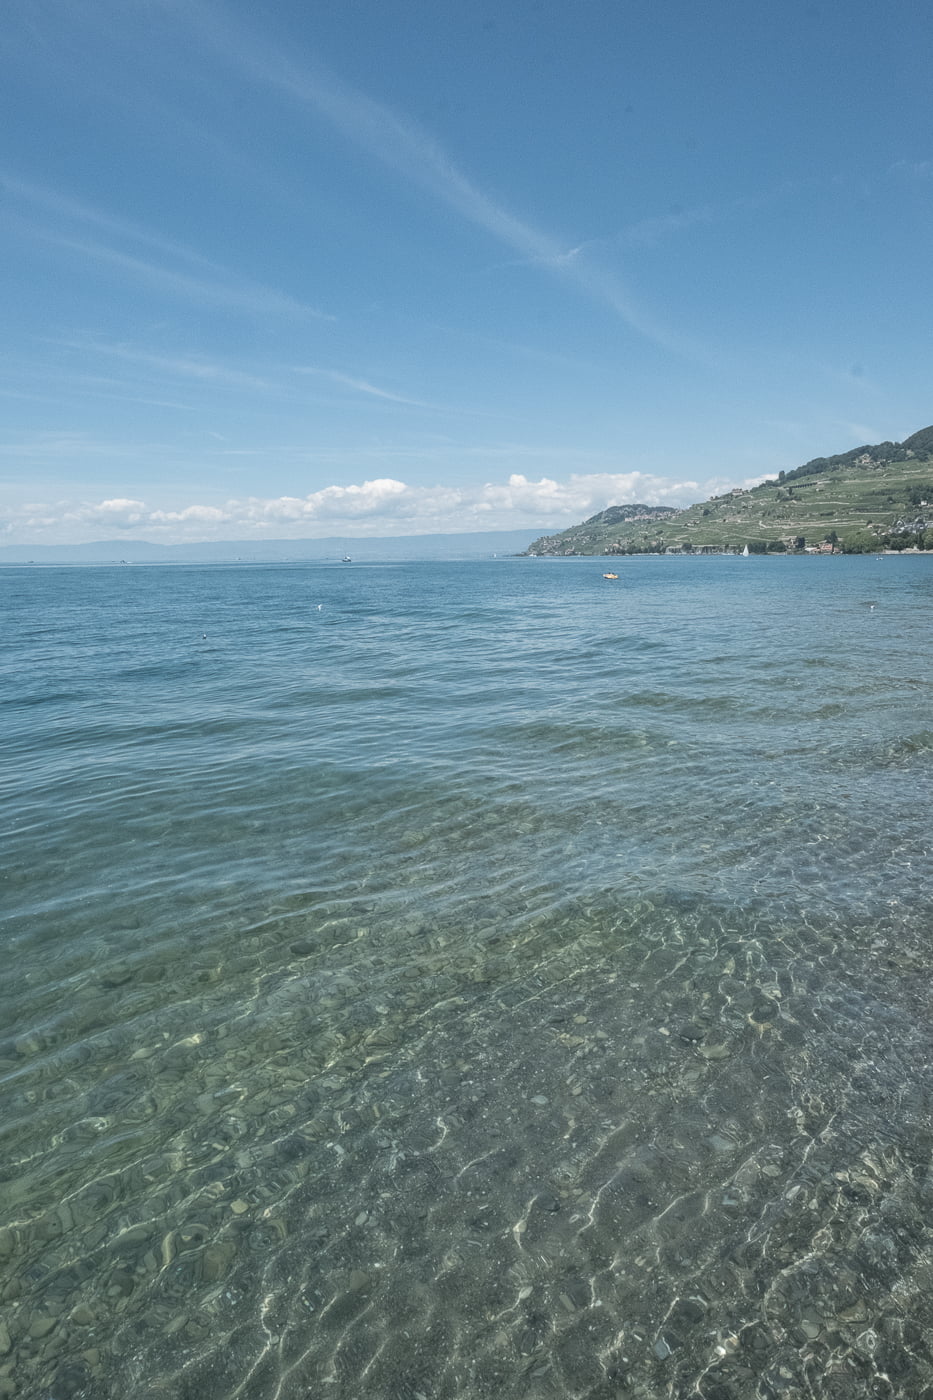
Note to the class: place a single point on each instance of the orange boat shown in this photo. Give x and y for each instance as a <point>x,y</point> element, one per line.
<point>610,575</point>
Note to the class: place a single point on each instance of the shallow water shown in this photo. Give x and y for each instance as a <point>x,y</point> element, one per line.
<point>465,980</point>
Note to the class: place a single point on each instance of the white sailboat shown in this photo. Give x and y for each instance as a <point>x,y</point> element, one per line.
<point>745,552</point>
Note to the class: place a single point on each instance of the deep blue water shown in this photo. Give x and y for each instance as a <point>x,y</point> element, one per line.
<point>451,980</point>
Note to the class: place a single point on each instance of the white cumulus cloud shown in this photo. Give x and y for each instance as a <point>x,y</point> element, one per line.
<point>382,506</point>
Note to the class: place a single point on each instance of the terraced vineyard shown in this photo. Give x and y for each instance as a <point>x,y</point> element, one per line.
<point>868,499</point>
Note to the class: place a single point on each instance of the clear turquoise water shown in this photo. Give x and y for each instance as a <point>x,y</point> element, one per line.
<point>464,980</point>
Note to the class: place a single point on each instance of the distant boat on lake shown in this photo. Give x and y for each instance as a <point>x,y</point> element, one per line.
<point>745,552</point>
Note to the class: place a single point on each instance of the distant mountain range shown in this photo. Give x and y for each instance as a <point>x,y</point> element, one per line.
<point>868,499</point>
<point>480,545</point>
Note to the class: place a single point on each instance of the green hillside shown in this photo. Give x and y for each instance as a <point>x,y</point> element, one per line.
<point>868,499</point>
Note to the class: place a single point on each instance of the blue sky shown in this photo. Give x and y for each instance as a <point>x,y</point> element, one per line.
<point>378,267</point>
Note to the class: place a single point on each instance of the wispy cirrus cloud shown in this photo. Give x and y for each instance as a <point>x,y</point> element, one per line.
<point>912,169</point>
<point>645,232</point>
<point>66,448</point>
<point>235,295</point>
<point>655,228</point>
<point>67,209</point>
<point>193,368</point>
<point>88,388</point>
<point>197,279</point>
<point>197,369</point>
<point>413,153</point>
<point>360,386</point>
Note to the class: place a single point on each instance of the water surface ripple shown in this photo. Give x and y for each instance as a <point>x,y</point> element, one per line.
<point>446,981</point>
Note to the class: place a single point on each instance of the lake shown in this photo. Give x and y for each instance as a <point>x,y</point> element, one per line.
<point>449,980</point>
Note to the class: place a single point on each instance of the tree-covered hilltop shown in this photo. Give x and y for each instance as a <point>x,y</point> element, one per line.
<point>590,537</point>
<point>868,499</point>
